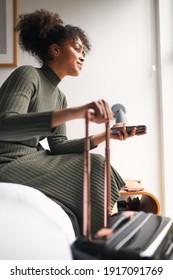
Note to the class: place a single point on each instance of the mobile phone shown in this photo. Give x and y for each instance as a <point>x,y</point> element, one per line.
<point>139,129</point>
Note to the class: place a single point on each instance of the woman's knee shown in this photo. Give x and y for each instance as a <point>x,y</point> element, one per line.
<point>97,165</point>
<point>97,158</point>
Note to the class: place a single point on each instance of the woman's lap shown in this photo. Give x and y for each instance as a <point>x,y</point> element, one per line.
<point>60,177</point>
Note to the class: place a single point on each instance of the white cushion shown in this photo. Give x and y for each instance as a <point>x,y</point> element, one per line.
<point>32,226</point>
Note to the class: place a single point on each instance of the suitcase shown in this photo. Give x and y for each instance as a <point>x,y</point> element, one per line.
<point>127,235</point>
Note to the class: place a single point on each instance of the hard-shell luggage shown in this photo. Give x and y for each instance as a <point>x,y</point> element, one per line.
<point>126,235</point>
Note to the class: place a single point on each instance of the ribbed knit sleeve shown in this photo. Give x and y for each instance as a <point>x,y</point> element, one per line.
<point>25,126</point>
<point>60,144</point>
<point>17,92</point>
<point>17,97</point>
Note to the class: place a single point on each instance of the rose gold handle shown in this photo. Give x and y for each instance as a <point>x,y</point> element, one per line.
<point>86,187</point>
<point>107,186</point>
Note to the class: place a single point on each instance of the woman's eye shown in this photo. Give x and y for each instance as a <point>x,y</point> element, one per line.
<point>78,50</point>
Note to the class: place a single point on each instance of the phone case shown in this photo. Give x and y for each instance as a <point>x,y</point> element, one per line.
<point>139,129</point>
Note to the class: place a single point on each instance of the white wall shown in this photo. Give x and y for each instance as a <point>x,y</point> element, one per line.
<point>122,68</point>
<point>165,42</point>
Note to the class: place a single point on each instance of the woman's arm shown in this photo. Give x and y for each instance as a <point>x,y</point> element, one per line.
<point>59,144</point>
<point>15,127</point>
<point>98,112</point>
<point>25,126</point>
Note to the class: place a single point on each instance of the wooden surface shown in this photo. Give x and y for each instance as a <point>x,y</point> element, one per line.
<point>148,202</point>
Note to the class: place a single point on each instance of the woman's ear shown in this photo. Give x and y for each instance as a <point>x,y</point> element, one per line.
<point>54,50</point>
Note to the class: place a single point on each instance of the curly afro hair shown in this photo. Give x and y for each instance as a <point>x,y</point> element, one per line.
<point>40,29</point>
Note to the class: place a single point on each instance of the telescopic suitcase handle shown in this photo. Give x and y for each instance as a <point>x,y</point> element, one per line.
<point>87,172</point>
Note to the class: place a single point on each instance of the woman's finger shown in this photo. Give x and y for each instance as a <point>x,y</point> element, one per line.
<point>102,111</point>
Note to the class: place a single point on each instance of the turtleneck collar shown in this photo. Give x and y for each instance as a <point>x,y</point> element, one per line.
<point>50,74</point>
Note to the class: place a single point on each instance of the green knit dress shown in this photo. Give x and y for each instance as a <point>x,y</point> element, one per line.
<point>57,172</point>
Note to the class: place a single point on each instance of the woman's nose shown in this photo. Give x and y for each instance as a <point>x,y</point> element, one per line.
<point>82,57</point>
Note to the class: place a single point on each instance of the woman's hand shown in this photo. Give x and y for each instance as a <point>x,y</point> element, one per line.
<point>99,111</point>
<point>123,134</point>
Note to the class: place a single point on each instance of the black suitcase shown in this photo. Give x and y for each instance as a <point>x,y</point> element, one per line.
<point>127,235</point>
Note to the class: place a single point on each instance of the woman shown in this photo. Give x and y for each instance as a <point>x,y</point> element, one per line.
<point>32,107</point>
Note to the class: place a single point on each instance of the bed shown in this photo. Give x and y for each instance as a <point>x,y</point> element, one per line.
<point>32,226</point>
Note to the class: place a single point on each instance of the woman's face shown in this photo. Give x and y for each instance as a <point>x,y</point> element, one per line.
<point>70,59</point>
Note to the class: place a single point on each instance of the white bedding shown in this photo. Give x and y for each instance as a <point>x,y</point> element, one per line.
<point>32,226</point>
